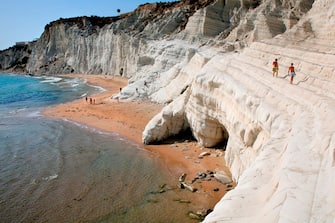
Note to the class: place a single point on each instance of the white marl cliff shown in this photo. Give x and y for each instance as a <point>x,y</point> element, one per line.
<point>281,137</point>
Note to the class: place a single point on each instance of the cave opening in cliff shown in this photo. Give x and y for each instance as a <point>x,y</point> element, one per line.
<point>182,136</point>
<point>222,144</point>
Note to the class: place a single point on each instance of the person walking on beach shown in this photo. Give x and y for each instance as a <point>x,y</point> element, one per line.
<point>275,68</point>
<point>291,72</point>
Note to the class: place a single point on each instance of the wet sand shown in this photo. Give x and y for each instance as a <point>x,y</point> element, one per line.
<point>129,119</point>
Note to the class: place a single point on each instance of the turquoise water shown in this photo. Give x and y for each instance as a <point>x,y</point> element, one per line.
<point>59,171</point>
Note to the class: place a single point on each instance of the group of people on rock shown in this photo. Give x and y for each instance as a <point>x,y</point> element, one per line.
<point>290,72</point>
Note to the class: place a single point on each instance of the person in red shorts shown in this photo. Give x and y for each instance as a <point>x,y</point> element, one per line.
<point>291,72</point>
<point>275,68</point>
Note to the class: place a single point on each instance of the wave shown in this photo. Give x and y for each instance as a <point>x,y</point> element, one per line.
<point>74,82</point>
<point>100,89</point>
<point>34,114</point>
<point>51,79</point>
<point>83,95</point>
<point>22,113</point>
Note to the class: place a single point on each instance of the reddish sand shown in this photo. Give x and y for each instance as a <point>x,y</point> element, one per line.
<point>129,120</point>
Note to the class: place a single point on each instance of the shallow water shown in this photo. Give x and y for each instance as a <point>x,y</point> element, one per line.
<point>59,171</point>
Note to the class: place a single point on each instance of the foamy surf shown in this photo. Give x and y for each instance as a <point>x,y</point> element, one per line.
<point>51,79</point>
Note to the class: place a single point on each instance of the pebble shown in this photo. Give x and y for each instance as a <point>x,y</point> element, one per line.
<point>185,149</point>
<point>204,212</point>
<point>203,154</point>
<point>152,201</point>
<point>184,201</point>
<point>194,216</point>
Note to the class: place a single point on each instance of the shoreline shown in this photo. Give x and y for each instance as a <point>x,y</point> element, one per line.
<point>128,119</point>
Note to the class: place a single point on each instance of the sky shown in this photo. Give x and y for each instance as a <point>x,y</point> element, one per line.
<point>24,20</point>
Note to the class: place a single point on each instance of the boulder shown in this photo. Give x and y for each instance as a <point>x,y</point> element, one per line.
<point>222,177</point>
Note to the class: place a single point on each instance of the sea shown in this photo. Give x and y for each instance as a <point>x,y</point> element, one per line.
<point>55,170</point>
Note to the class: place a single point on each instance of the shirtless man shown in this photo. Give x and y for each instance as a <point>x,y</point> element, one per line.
<point>275,68</point>
<point>291,72</point>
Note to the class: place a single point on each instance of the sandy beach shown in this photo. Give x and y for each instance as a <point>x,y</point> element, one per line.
<point>128,119</point>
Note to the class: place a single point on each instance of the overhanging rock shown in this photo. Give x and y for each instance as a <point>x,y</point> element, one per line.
<point>170,121</point>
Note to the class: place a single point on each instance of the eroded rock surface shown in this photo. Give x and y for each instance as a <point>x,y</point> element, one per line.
<point>210,62</point>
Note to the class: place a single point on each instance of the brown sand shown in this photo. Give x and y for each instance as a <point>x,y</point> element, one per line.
<point>129,120</point>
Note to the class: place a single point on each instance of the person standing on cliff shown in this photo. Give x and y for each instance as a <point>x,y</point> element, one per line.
<point>275,68</point>
<point>291,72</point>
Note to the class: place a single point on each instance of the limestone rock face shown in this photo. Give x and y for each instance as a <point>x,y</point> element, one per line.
<point>257,20</point>
<point>207,21</point>
<point>105,45</point>
<point>68,49</point>
<point>109,45</point>
<point>210,62</point>
<point>280,140</point>
<point>15,58</point>
<point>170,121</point>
